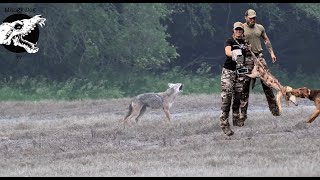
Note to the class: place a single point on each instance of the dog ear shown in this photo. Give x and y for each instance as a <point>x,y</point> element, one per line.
<point>170,85</point>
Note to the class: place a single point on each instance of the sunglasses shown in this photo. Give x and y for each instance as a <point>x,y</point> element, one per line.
<point>238,29</point>
<point>253,18</point>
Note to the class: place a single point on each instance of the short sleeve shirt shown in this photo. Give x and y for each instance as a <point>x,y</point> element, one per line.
<point>253,36</point>
<point>229,63</point>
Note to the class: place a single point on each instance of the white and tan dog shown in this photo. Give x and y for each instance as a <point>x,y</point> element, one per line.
<point>265,75</point>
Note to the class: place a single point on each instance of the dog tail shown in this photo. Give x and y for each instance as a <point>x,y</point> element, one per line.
<point>130,111</point>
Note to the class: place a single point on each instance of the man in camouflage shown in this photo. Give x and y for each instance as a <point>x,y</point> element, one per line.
<point>253,33</point>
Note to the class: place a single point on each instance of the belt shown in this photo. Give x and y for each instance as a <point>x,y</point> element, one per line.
<point>257,54</point>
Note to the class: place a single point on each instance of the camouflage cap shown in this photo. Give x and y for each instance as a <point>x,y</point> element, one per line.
<point>237,25</point>
<point>251,13</point>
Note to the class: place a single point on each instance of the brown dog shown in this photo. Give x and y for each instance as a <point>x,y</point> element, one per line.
<point>313,95</point>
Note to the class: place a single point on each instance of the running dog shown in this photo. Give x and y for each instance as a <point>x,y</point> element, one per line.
<point>312,95</point>
<point>265,75</point>
<point>159,100</point>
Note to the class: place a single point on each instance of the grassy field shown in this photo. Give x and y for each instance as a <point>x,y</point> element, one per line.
<point>80,138</point>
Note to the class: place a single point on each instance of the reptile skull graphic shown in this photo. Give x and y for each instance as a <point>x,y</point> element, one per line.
<point>16,31</point>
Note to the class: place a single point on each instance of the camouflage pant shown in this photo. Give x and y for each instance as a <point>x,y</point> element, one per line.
<point>242,93</point>
<point>235,91</point>
<point>267,90</point>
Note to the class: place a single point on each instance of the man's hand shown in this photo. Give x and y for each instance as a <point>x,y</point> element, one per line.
<point>274,58</point>
<point>269,46</point>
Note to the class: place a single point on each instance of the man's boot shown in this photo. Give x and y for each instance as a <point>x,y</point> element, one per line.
<point>274,110</point>
<point>227,130</point>
<point>242,119</point>
<point>225,126</point>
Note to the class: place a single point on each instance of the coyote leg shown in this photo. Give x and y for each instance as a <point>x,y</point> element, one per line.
<point>313,116</point>
<point>167,112</point>
<point>142,111</point>
<point>135,112</point>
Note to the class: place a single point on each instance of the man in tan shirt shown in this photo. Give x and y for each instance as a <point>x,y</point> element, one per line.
<point>253,33</point>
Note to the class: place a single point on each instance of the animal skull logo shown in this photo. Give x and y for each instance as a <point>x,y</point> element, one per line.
<point>19,32</point>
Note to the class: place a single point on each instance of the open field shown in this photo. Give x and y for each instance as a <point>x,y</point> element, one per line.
<point>79,138</point>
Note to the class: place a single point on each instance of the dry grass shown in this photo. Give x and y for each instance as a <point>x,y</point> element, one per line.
<point>79,138</point>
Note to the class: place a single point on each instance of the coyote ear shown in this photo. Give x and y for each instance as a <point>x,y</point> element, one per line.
<point>170,84</point>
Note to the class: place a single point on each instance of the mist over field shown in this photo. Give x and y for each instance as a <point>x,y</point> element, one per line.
<point>80,138</point>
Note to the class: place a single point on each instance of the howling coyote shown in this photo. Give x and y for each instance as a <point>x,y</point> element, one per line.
<point>162,100</point>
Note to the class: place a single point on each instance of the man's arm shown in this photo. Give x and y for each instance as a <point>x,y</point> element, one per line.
<point>269,46</point>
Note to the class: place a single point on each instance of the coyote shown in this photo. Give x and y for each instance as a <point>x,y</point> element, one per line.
<point>260,71</point>
<point>312,95</point>
<point>162,100</point>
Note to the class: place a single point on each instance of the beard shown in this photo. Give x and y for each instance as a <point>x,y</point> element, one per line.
<point>251,24</point>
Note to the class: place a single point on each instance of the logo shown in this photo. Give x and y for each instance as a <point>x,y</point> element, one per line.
<point>20,33</point>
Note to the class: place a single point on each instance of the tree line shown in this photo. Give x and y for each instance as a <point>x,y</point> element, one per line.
<point>114,41</point>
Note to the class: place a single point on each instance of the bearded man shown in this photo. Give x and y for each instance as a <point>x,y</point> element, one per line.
<point>253,34</point>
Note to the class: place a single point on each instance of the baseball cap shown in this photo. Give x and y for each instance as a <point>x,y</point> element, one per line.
<point>237,25</point>
<point>251,13</point>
